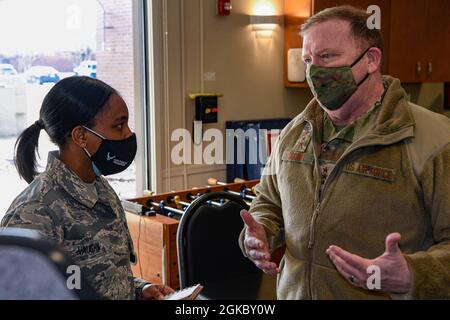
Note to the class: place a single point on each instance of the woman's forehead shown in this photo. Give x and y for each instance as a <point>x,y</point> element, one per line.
<point>116,108</point>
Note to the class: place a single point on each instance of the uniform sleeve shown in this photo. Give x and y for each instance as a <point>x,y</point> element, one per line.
<point>431,269</point>
<point>266,208</point>
<point>139,284</point>
<point>35,216</point>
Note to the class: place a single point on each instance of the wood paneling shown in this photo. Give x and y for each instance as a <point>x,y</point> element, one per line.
<point>437,43</point>
<point>408,35</point>
<point>295,14</point>
<point>416,35</point>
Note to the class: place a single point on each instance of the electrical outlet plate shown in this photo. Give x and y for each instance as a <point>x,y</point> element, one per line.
<point>209,76</point>
<point>296,67</point>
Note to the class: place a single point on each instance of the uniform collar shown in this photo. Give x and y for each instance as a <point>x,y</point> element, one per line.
<point>85,193</point>
<point>331,132</point>
<point>349,132</point>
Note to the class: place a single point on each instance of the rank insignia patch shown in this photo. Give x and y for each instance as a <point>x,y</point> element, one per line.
<point>305,139</point>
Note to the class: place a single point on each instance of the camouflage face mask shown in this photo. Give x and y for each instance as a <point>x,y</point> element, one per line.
<point>333,86</point>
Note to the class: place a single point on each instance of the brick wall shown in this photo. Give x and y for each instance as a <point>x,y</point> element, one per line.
<point>115,49</point>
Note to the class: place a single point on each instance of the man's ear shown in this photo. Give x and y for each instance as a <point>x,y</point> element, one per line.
<point>79,136</point>
<point>375,59</point>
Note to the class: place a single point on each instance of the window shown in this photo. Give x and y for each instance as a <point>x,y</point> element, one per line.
<point>51,40</point>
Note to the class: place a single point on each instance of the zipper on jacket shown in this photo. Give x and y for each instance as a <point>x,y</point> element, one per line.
<point>327,182</point>
<point>314,217</point>
<point>312,226</point>
<point>320,193</point>
<point>349,151</point>
<point>317,201</point>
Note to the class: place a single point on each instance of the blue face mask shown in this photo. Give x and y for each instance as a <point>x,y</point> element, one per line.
<point>113,156</point>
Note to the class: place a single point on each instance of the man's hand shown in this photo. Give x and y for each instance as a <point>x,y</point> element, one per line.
<point>155,292</point>
<point>256,245</point>
<point>395,273</point>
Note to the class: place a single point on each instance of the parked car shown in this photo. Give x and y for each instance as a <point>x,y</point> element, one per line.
<point>42,74</point>
<point>7,70</point>
<point>87,68</point>
<point>9,76</point>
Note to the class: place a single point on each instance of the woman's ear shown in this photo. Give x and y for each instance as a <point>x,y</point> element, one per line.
<point>79,136</point>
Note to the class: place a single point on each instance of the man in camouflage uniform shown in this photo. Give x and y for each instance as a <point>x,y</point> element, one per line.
<point>357,187</point>
<point>87,221</point>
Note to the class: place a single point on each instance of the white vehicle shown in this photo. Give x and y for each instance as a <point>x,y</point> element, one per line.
<point>42,74</point>
<point>7,70</point>
<point>8,75</point>
<point>87,68</point>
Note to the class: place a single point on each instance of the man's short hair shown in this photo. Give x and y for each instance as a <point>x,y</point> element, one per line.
<point>358,23</point>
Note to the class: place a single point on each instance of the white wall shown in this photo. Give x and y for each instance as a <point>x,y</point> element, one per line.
<point>248,71</point>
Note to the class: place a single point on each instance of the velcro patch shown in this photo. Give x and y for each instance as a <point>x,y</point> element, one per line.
<point>304,139</point>
<point>296,156</point>
<point>367,170</point>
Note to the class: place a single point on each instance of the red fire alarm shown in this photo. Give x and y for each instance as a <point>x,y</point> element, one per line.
<point>224,7</point>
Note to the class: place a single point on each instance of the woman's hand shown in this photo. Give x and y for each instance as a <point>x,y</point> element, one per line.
<point>155,291</point>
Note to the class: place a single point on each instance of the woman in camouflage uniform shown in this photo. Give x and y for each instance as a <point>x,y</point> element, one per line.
<point>71,202</point>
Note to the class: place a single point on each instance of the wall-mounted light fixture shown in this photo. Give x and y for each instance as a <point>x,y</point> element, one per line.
<point>264,26</point>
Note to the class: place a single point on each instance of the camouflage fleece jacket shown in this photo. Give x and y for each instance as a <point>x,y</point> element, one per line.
<point>393,177</point>
<point>86,220</point>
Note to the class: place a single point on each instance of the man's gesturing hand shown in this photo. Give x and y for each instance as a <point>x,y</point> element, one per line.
<point>395,273</point>
<point>256,245</point>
